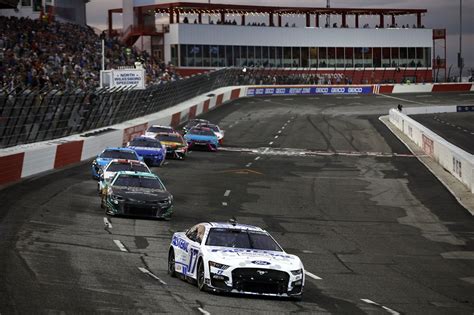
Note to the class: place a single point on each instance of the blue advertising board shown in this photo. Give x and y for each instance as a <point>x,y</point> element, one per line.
<point>313,90</point>
<point>465,108</point>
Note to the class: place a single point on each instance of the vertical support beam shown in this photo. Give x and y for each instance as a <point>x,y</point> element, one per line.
<point>393,20</point>
<point>343,20</point>
<point>357,20</point>
<point>140,19</point>
<point>177,17</point>
<point>381,21</point>
<point>270,19</point>
<point>308,21</point>
<point>243,19</point>
<point>200,18</point>
<point>171,16</point>
<point>316,20</point>
<point>222,17</point>
<point>279,19</point>
<point>110,22</point>
<point>418,20</point>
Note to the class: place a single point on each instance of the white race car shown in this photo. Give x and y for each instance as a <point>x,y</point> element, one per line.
<point>118,165</point>
<point>237,258</point>
<point>153,130</point>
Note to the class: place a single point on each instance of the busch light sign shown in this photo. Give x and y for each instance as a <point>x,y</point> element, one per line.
<point>313,90</point>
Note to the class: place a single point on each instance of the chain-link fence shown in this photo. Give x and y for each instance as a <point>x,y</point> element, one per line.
<point>31,116</point>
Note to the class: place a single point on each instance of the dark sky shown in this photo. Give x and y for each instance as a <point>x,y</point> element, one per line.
<point>441,14</point>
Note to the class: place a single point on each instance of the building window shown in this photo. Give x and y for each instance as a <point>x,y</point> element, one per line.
<point>377,57</point>
<point>174,54</point>
<point>313,57</point>
<point>37,5</point>
<point>386,57</point>
<point>323,57</point>
<point>287,61</point>
<point>296,62</point>
<point>26,3</point>
<point>304,57</point>
<point>349,56</point>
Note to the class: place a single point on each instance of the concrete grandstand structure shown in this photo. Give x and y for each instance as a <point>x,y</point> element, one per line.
<point>198,37</point>
<point>73,11</point>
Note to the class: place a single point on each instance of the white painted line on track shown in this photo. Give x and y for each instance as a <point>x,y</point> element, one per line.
<point>389,310</point>
<point>288,121</point>
<point>203,311</point>
<point>312,275</point>
<point>107,223</point>
<point>468,94</point>
<point>149,273</point>
<point>227,193</point>
<point>283,127</point>
<point>307,251</point>
<point>120,246</point>
<point>270,143</point>
<point>248,164</point>
<point>266,149</point>
<point>224,204</point>
<point>279,131</point>
<point>257,158</point>
<point>400,99</point>
<point>276,137</point>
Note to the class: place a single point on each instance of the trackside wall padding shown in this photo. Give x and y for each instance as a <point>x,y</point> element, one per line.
<point>38,160</point>
<point>235,94</point>
<point>205,108</point>
<point>386,89</point>
<point>175,119</point>
<point>68,153</point>
<point>219,99</point>
<point>192,112</point>
<point>452,87</point>
<point>10,167</point>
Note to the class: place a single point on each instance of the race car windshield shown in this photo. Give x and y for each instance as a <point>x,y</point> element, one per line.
<point>169,138</point>
<point>237,238</point>
<point>212,127</point>
<point>158,129</point>
<point>116,154</point>
<point>148,143</point>
<point>138,181</point>
<point>201,132</point>
<point>117,167</point>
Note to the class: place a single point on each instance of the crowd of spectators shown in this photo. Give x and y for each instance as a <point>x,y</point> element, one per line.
<point>37,54</point>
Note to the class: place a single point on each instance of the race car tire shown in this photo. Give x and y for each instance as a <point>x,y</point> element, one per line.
<point>171,264</point>
<point>200,277</point>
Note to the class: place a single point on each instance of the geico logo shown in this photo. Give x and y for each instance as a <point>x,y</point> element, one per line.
<point>354,90</point>
<point>338,90</point>
<point>321,90</point>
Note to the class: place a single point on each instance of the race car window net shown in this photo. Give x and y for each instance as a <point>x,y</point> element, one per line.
<point>116,154</point>
<point>237,238</point>
<point>148,143</point>
<point>117,167</point>
<point>138,181</point>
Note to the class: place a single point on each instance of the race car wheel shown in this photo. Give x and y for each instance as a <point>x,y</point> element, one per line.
<point>201,282</point>
<point>171,264</point>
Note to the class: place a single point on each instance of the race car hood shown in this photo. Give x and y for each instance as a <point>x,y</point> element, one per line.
<point>253,258</point>
<point>172,144</point>
<point>192,137</point>
<point>146,150</point>
<point>144,194</point>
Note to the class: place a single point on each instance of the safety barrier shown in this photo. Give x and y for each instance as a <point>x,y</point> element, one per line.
<point>456,161</point>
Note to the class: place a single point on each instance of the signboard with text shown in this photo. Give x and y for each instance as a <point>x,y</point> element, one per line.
<point>132,78</point>
<point>313,90</point>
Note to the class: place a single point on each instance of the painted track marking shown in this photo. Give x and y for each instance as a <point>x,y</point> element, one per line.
<point>203,311</point>
<point>248,164</point>
<point>312,275</point>
<point>149,273</point>
<point>120,246</point>
<point>276,137</point>
<point>227,193</point>
<point>224,204</point>
<point>257,158</point>
<point>379,305</point>
<point>270,143</point>
<point>107,223</point>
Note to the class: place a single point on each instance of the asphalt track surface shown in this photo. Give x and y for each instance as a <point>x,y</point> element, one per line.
<point>334,187</point>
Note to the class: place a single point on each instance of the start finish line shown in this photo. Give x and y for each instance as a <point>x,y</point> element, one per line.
<point>365,89</point>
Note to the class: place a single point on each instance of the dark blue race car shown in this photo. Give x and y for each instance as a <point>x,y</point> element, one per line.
<point>110,154</point>
<point>201,137</point>
<point>150,149</point>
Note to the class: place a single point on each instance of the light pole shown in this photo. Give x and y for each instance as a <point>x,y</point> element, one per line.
<point>102,39</point>
<point>328,18</point>
<point>460,58</point>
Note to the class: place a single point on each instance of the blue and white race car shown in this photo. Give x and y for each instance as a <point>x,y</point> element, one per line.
<point>201,137</point>
<point>151,150</point>
<point>110,154</point>
<point>236,258</point>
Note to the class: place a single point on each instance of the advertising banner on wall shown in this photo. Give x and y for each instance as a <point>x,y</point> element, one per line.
<point>132,78</point>
<point>310,90</point>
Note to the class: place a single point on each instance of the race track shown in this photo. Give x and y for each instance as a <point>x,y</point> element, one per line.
<point>376,231</point>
